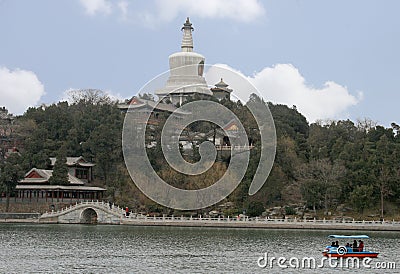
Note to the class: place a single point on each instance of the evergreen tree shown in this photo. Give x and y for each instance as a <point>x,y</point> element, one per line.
<point>361,197</point>
<point>10,173</point>
<point>384,169</point>
<point>60,169</point>
<point>255,208</point>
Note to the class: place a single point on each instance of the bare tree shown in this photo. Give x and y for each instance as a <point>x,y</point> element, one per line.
<point>320,178</point>
<point>366,124</point>
<point>89,96</point>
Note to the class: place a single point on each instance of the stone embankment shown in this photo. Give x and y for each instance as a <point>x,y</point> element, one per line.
<point>246,222</point>
<point>19,217</point>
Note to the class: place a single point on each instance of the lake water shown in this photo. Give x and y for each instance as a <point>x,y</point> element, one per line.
<point>129,249</point>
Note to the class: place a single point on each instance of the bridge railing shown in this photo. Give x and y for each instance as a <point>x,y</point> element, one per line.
<point>105,205</point>
<point>141,217</point>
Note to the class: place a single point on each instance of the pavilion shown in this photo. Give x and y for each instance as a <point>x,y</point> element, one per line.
<point>35,186</point>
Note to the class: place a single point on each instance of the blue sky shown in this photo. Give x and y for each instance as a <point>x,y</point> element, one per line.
<point>332,59</point>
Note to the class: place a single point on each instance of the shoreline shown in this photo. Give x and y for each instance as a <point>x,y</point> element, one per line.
<point>266,225</point>
<point>19,221</point>
<point>234,224</point>
<point>96,212</point>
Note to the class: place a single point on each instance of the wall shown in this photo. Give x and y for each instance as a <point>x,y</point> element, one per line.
<point>33,206</point>
<point>19,215</point>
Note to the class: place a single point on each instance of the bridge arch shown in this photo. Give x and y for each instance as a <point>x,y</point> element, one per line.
<point>86,212</point>
<point>88,216</point>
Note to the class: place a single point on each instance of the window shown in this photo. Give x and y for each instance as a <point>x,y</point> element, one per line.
<point>81,173</point>
<point>201,68</point>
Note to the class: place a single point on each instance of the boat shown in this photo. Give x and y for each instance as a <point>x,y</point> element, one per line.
<point>344,251</point>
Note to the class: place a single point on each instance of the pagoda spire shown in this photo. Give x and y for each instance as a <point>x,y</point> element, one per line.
<point>187,40</point>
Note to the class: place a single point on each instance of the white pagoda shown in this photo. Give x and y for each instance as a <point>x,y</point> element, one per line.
<point>186,72</point>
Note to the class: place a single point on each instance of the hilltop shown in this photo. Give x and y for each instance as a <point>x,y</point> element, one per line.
<point>338,168</point>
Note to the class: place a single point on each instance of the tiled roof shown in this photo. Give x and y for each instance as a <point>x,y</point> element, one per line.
<point>137,103</point>
<point>71,161</point>
<point>58,187</point>
<point>45,175</point>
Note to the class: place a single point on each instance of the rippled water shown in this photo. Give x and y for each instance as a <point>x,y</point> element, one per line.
<point>122,249</point>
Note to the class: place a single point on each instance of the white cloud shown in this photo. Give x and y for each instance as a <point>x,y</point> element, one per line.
<point>123,7</point>
<point>93,7</point>
<point>237,10</point>
<point>283,84</point>
<point>161,11</point>
<point>19,89</point>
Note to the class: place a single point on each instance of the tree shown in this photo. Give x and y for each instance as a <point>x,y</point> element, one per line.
<point>366,124</point>
<point>60,170</point>
<point>89,97</point>
<point>395,127</point>
<point>322,175</point>
<point>105,147</point>
<point>384,163</point>
<point>255,208</point>
<point>312,193</point>
<point>10,173</point>
<point>361,197</point>
<point>286,155</point>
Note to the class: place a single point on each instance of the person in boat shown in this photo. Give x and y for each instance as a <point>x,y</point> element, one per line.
<point>361,246</point>
<point>337,244</point>
<point>333,244</point>
<point>348,245</point>
<point>355,248</point>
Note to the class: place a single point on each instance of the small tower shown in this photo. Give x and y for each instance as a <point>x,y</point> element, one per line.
<point>187,40</point>
<point>221,91</point>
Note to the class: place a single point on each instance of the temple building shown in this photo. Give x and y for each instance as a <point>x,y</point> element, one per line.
<point>148,107</point>
<point>5,116</point>
<point>186,72</point>
<point>77,167</point>
<point>35,186</point>
<point>221,91</point>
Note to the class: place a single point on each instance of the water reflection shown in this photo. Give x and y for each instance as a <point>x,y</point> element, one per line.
<point>105,249</point>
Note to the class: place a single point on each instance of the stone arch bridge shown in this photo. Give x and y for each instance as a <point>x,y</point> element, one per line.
<point>93,212</point>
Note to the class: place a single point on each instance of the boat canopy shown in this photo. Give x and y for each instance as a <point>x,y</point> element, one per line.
<point>348,236</point>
